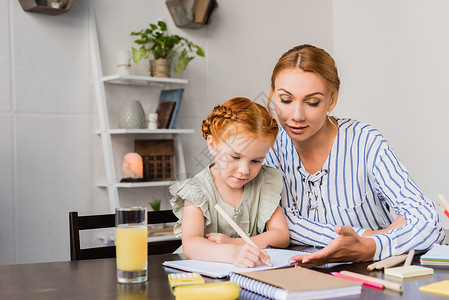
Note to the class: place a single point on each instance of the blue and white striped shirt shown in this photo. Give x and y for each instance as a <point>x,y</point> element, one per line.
<point>360,179</point>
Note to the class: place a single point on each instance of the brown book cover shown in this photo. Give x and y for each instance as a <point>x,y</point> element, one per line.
<point>201,8</point>
<point>164,113</point>
<point>296,283</point>
<point>212,12</point>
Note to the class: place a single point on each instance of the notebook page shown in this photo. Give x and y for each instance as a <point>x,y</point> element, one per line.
<point>278,257</point>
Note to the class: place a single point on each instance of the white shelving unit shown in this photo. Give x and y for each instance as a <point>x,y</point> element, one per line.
<point>106,133</point>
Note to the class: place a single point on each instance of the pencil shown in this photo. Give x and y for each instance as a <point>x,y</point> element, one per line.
<point>443,201</point>
<point>387,284</point>
<point>238,229</point>
<point>409,259</point>
<point>388,262</point>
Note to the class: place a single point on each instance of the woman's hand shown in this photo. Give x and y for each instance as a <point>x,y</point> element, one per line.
<point>347,247</point>
<point>398,223</point>
<point>220,238</point>
<point>247,256</point>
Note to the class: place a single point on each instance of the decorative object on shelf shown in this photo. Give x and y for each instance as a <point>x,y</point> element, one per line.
<point>124,62</point>
<point>132,168</point>
<point>56,4</point>
<point>156,206</point>
<point>152,121</point>
<point>160,67</point>
<point>168,107</point>
<point>156,41</point>
<point>157,156</point>
<point>132,115</point>
<point>41,6</point>
<point>201,13</point>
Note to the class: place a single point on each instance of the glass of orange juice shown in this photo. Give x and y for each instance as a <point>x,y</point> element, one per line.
<point>131,241</point>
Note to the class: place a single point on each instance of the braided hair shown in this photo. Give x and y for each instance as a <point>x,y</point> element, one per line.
<point>240,116</point>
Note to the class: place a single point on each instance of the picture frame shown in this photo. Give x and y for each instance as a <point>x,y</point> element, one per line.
<point>172,95</point>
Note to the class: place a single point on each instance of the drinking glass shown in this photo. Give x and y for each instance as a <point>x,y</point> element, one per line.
<point>131,241</point>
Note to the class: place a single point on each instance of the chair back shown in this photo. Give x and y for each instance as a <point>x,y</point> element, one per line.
<point>78,223</point>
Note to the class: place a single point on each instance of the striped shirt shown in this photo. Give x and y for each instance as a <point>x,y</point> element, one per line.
<point>358,185</point>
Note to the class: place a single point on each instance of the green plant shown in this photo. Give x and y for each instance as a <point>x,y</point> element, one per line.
<point>156,205</point>
<point>160,44</point>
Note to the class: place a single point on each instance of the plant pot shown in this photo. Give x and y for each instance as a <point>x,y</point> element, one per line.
<point>160,67</point>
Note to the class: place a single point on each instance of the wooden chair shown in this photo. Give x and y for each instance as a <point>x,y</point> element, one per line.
<point>78,223</point>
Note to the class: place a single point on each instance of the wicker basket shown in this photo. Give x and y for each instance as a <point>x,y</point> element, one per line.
<point>157,157</point>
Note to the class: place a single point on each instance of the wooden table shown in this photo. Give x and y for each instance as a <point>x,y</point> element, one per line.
<point>96,279</point>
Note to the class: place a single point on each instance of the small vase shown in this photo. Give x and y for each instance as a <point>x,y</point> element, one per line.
<point>132,115</point>
<point>160,67</point>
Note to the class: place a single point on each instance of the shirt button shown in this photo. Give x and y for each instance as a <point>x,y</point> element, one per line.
<point>235,217</point>
<point>298,168</point>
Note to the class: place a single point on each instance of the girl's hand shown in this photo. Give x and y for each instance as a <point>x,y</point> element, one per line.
<point>348,246</point>
<point>219,238</point>
<point>247,256</point>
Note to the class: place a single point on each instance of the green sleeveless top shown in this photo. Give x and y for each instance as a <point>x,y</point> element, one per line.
<point>260,199</point>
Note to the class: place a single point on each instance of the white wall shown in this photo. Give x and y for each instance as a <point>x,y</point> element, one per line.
<point>50,155</point>
<point>51,158</point>
<point>393,58</point>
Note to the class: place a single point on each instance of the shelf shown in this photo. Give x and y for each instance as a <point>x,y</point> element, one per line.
<point>148,131</point>
<point>32,6</point>
<point>138,184</point>
<point>141,80</point>
<point>106,133</point>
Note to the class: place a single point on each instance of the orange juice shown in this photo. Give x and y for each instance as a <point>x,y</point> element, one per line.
<point>131,247</point>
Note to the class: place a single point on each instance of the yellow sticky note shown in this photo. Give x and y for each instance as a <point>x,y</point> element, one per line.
<point>439,288</point>
<point>408,271</point>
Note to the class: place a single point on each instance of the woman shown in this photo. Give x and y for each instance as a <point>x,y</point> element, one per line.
<point>342,182</point>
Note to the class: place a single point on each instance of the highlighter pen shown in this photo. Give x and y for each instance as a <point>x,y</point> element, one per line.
<point>363,281</point>
<point>444,211</point>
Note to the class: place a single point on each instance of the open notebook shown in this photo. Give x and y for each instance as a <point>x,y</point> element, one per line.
<point>279,259</point>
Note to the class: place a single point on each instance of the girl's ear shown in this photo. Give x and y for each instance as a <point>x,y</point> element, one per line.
<point>211,145</point>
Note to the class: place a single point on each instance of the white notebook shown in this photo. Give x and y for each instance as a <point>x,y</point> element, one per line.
<point>278,257</point>
<point>438,255</point>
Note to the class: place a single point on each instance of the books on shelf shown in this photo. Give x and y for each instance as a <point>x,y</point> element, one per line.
<point>437,256</point>
<point>203,11</point>
<point>167,112</point>
<point>164,113</point>
<point>295,283</point>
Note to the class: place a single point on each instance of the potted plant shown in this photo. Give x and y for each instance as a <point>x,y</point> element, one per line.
<point>156,206</point>
<point>164,47</point>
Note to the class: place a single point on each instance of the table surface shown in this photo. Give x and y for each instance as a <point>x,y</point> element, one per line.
<point>96,279</point>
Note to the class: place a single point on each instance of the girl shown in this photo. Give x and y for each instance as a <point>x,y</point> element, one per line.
<point>341,177</point>
<point>239,134</point>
